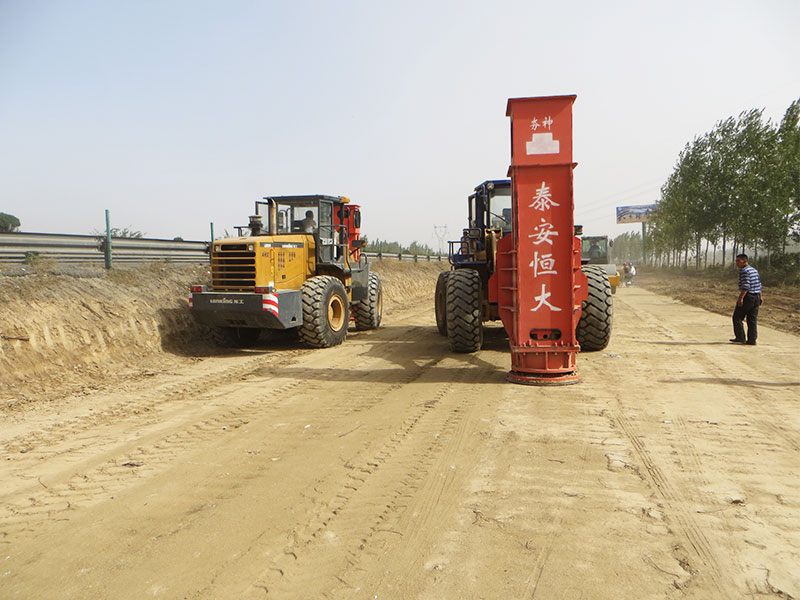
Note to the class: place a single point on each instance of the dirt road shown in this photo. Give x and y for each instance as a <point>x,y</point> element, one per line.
<point>388,468</point>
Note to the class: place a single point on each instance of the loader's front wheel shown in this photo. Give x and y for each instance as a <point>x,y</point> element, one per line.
<point>464,325</point>
<point>369,312</point>
<point>326,312</point>
<point>594,328</point>
<point>440,302</point>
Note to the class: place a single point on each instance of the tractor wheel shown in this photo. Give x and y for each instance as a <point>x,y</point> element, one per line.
<point>368,313</point>
<point>594,328</point>
<point>326,313</point>
<point>464,326</point>
<point>440,302</point>
<point>235,337</point>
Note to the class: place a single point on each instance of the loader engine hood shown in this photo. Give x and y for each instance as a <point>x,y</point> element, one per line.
<point>280,262</point>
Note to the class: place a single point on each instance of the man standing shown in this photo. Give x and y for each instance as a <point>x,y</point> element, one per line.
<point>747,304</point>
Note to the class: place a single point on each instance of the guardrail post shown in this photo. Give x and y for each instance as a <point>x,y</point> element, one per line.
<point>399,257</point>
<point>107,252</point>
<point>211,245</point>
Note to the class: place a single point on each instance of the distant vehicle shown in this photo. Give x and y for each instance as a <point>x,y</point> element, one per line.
<point>595,251</point>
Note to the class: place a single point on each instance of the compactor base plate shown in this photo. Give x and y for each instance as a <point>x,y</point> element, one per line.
<point>543,378</point>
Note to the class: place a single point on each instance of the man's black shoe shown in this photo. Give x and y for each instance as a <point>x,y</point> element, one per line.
<point>735,341</point>
<point>750,343</point>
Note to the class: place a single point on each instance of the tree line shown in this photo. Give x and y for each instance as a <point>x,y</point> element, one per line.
<point>387,247</point>
<point>8,223</point>
<point>737,186</point>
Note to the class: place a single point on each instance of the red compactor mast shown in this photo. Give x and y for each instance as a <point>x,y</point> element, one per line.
<point>520,259</point>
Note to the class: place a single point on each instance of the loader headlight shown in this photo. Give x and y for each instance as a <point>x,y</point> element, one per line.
<point>249,247</point>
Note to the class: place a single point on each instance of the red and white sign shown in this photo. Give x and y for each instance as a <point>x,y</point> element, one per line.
<point>541,131</point>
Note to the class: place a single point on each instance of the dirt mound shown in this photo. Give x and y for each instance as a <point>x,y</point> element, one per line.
<point>67,330</point>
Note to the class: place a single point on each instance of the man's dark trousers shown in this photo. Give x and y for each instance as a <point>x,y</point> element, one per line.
<point>749,310</point>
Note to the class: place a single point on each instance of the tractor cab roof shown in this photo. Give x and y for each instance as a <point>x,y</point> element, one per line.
<point>308,199</point>
<point>491,184</point>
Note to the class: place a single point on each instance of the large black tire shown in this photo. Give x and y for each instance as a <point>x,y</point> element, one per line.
<point>440,302</point>
<point>235,337</point>
<point>368,313</point>
<point>594,328</point>
<point>326,312</point>
<point>464,326</point>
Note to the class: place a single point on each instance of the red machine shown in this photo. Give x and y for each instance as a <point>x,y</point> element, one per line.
<point>541,305</point>
<point>520,260</point>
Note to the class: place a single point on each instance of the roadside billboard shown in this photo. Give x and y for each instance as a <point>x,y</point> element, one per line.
<point>635,214</point>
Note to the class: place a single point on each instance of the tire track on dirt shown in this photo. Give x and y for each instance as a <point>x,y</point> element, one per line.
<point>691,531</point>
<point>404,528</point>
<point>195,387</point>
<point>699,545</point>
<point>128,462</point>
<point>394,473</point>
<point>751,411</point>
<point>553,532</point>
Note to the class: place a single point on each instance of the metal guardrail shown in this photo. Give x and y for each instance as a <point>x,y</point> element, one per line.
<point>24,247</point>
<point>410,257</point>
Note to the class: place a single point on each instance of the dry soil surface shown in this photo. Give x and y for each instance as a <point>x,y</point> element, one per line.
<point>780,308</point>
<point>138,463</point>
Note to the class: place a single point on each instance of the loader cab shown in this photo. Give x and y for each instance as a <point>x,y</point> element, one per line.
<point>490,206</point>
<point>489,220</point>
<point>594,249</point>
<point>327,218</point>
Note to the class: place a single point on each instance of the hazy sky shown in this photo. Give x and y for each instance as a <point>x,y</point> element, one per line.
<point>174,114</point>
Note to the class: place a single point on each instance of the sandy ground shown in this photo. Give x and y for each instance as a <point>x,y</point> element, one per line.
<point>780,308</point>
<point>389,467</point>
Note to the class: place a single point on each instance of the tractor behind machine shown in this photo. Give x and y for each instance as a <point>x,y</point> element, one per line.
<point>302,271</point>
<point>595,250</point>
<point>473,274</point>
<point>519,260</point>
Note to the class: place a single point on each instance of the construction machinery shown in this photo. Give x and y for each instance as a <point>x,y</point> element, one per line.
<point>519,259</point>
<point>303,270</point>
<point>595,250</point>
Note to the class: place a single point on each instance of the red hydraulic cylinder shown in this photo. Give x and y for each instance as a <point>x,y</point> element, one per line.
<point>540,283</point>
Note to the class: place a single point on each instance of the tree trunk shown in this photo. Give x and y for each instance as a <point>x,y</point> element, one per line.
<point>724,243</point>
<point>697,245</point>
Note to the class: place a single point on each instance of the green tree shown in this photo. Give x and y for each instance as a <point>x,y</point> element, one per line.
<point>789,170</point>
<point>123,232</point>
<point>740,182</point>
<point>8,223</point>
<point>627,247</point>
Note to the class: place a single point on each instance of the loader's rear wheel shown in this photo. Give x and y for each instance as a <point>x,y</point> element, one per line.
<point>440,302</point>
<point>369,312</point>
<point>594,328</point>
<point>235,337</point>
<point>464,326</point>
<point>326,312</point>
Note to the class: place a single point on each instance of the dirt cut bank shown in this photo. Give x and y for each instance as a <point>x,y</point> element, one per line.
<point>75,330</point>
